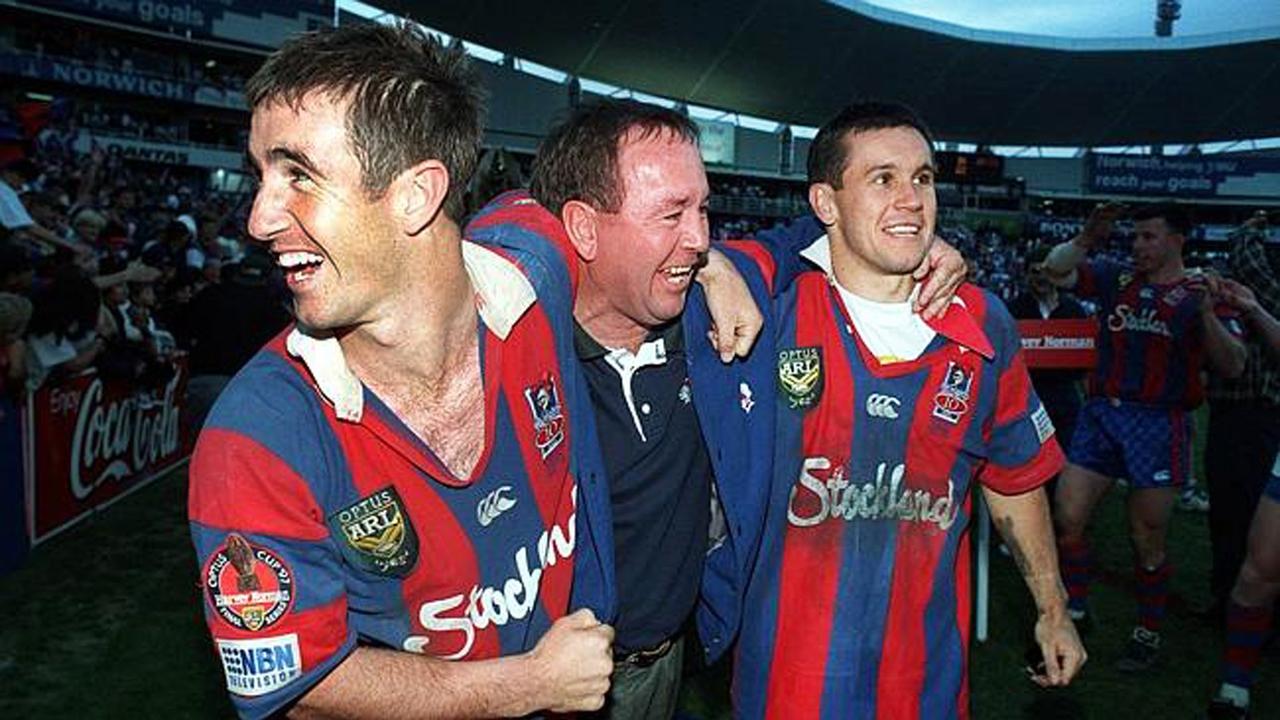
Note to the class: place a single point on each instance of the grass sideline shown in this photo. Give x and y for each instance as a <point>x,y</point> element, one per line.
<point>104,622</point>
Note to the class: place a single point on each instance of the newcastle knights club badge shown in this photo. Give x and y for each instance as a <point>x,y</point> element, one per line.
<point>800,376</point>
<point>952,400</point>
<point>548,417</point>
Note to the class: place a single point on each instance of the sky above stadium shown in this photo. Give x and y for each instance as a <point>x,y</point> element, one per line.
<point>1091,18</point>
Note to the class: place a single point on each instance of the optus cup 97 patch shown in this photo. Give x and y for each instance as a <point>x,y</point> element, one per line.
<point>247,585</point>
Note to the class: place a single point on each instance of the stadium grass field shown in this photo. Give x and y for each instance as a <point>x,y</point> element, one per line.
<point>104,622</point>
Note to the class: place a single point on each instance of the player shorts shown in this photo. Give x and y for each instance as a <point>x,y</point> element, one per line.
<point>1273,485</point>
<point>1149,446</point>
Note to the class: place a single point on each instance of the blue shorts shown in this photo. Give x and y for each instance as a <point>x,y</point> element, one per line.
<point>1273,485</point>
<point>1150,446</point>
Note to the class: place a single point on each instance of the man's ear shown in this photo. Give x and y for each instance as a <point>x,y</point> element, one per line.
<point>822,200</point>
<point>581,223</point>
<point>418,195</point>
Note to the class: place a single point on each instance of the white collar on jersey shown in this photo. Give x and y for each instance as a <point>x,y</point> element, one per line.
<point>957,323</point>
<point>503,295</point>
<point>819,253</point>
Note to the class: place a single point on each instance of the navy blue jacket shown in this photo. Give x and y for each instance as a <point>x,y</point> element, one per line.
<point>734,402</point>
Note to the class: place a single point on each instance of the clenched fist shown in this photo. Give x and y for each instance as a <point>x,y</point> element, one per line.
<point>1097,227</point>
<point>573,662</point>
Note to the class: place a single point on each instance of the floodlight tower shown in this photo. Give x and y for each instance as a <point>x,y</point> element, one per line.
<point>1167,11</point>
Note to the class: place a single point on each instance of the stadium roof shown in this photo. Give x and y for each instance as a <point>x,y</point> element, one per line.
<point>799,62</point>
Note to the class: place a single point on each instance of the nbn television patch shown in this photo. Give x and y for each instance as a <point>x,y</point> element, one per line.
<point>262,665</point>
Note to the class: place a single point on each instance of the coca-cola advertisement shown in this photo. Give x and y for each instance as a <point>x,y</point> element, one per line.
<point>96,439</point>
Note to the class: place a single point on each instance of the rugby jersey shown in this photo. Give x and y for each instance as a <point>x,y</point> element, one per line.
<point>321,521</point>
<point>1151,347</point>
<point>858,606</point>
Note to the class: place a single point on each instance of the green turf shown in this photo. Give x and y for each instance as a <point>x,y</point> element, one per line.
<point>104,622</point>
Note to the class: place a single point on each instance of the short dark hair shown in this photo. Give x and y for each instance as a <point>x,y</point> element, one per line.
<point>828,153</point>
<point>411,98</point>
<point>1175,216</point>
<point>578,160</point>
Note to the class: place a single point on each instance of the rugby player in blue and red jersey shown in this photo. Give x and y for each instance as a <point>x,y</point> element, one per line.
<point>1159,326</point>
<point>397,503</point>
<point>858,606</point>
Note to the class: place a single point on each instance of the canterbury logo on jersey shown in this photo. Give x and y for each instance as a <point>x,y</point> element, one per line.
<point>493,505</point>
<point>511,599</point>
<point>883,406</point>
<point>814,500</point>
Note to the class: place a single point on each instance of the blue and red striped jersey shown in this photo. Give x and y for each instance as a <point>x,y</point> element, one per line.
<point>1151,339</point>
<point>859,604</point>
<point>322,521</point>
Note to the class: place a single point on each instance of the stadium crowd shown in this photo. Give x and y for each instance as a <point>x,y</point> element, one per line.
<point>118,266</point>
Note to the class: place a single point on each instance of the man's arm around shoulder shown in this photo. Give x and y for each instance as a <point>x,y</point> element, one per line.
<point>567,671</point>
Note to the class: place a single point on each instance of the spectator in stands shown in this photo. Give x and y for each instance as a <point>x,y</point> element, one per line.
<point>1160,329</point>
<point>15,314</point>
<point>63,336</point>
<point>19,175</point>
<point>215,239</point>
<point>207,236</point>
<point>1058,389</point>
<point>13,213</point>
<point>183,244</point>
<point>49,211</point>
<point>87,224</point>
<point>1251,603</point>
<point>140,321</point>
<point>17,273</point>
<point>171,249</point>
<point>218,347</point>
<point>124,209</point>
<point>1244,418</point>
<point>173,310</point>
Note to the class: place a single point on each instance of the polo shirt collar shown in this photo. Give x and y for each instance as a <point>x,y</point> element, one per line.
<point>671,334</point>
<point>957,324</point>
<point>502,295</point>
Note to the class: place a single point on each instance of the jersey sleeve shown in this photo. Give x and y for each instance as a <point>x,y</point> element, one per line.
<point>776,251</point>
<point>271,581</point>
<point>1023,452</point>
<point>532,237</point>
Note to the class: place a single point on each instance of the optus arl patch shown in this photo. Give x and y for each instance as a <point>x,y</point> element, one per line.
<point>377,534</point>
<point>248,586</point>
<point>800,376</point>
